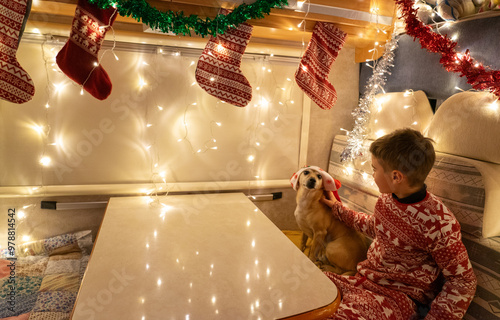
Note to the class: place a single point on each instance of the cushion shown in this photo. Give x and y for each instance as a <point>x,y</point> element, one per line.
<point>485,257</point>
<point>455,9</point>
<point>55,301</point>
<point>460,185</point>
<point>63,266</point>
<point>468,124</point>
<point>48,276</point>
<point>396,110</point>
<point>61,282</point>
<point>49,316</point>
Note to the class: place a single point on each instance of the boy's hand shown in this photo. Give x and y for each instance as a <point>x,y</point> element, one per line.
<point>328,198</point>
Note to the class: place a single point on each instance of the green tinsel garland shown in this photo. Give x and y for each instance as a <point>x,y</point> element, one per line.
<point>177,23</point>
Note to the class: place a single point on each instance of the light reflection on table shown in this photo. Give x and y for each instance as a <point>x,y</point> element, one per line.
<point>205,256</point>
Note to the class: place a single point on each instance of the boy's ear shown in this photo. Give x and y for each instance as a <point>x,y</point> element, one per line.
<point>397,176</point>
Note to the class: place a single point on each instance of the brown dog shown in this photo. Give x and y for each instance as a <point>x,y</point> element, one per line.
<point>335,246</point>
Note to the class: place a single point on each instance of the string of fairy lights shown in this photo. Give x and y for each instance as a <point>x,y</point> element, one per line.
<point>275,98</point>
<point>265,98</point>
<point>368,105</point>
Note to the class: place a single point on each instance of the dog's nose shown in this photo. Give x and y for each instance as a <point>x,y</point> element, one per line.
<point>311,183</point>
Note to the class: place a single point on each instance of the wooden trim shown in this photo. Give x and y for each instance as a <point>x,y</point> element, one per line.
<point>280,24</point>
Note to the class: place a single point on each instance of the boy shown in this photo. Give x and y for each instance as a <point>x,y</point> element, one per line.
<point>417,257</point>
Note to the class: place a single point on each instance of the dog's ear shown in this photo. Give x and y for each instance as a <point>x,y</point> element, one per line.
<point>295,180</point>
<point>337,184</point>
<point>299,185</point>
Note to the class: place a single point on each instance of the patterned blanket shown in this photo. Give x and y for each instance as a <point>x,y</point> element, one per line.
<point>47,276</point>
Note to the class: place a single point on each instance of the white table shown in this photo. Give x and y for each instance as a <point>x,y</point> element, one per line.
<point>202,256</point>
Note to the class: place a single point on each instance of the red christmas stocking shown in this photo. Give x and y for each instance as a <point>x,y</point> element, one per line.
<point>78,58</point>
<point>314,68</point>
<point>15,84</point>
<point>218,70</point>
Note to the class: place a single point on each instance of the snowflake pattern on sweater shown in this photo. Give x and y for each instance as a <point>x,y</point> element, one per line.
<point>417,250</point>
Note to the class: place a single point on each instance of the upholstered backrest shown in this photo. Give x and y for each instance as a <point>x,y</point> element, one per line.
<point>468,124</point>
<point>459,184</point>
<point>397,110</point>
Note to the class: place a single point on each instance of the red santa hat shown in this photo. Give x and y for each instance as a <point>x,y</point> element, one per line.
<point>329,183</point>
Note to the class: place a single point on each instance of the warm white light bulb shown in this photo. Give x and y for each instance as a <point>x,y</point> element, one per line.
<point>45,161</point>
<point>59,86</point>
<point>38,128</point>
<point>494,106</point>
<point>142,83</point>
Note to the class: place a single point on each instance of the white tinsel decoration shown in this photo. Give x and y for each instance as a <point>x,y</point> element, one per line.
<point>361,114</point>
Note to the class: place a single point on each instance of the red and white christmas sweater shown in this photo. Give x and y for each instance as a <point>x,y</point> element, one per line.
<point>414,246</point>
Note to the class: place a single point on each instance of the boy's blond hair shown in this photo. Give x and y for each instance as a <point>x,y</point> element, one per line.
<point>406,150</point>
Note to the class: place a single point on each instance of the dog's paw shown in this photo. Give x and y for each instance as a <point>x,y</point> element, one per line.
<point>318,263</point>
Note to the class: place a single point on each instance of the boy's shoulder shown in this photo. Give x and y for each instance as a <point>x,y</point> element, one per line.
<point>431,211</point>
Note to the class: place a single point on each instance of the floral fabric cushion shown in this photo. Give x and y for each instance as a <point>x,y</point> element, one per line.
<point>48,276</point>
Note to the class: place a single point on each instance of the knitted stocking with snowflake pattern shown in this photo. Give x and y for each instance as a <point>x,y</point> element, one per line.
<point>15,83</point>
<point>218,70</point>
<point>314,68</point>
<point>78,58</point>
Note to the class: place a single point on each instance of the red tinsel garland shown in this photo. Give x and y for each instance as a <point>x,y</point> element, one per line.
<point>477,75</point>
